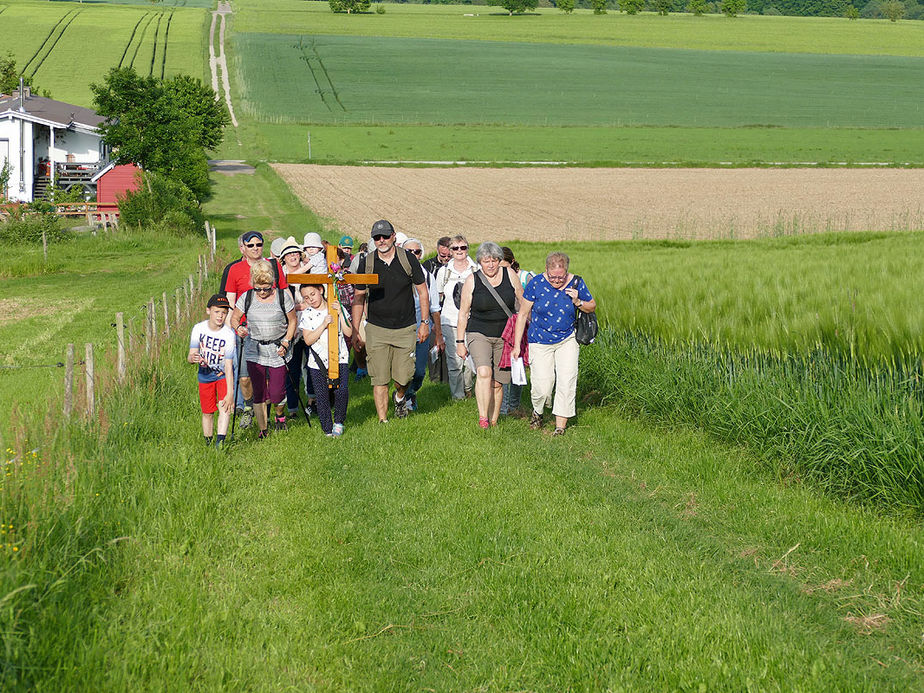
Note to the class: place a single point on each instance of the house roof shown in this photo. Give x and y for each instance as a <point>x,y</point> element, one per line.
<point>57,113</point>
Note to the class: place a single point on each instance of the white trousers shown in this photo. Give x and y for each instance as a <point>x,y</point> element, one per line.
<point>554,368</point>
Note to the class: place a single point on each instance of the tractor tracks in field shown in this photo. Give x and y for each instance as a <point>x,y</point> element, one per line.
<point>323,82</point>
<point>48,45</point>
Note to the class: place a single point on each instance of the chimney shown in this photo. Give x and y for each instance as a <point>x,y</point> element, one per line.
<point>22,96</point>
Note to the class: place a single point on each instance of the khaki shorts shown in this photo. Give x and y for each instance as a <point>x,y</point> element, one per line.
<point>390,354</point>
<point>486,351</point>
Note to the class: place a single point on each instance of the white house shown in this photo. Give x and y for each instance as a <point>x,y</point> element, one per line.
<point>39,136</point>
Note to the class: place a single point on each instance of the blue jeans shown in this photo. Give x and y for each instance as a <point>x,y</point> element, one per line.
<point>421,353</point>
<point>511,399</point>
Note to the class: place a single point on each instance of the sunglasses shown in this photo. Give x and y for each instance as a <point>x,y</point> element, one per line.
<point>458,247</point>
<point>263,289</point>
<point>254,245</point>
<point>418,253</point>
<point>380,236</point>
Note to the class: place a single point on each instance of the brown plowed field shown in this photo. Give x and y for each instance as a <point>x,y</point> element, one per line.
<point>548,204</point>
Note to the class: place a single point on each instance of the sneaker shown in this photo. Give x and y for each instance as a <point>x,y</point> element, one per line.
<point>411,402</point>
<point>360,374</point>
<point>281,423</point>
<point>558,431</point>
<point>263,434</point>
<point>400,407</point>
<point>338,430</point>
<point>246,417</point>
<point>535,421</point>
<point>484,423</point>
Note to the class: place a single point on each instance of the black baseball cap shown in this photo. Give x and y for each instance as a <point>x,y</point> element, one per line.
<point>219,301</point>
<point>382,228</point>
<point>250,235</point>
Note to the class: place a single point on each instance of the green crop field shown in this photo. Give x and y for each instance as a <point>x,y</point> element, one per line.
<point>322,79</point>
<point>49,41</point>
<point>553,87</point>
<point>744,33</point>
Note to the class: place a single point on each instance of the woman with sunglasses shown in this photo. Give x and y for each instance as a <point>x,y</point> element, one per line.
<point>270,326</point>
<point>550,304</point>
<point>452,274</point>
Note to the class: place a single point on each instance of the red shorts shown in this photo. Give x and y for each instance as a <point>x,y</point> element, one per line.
<point>210,394</point>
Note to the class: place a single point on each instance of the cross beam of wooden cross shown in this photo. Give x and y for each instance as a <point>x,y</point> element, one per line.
<point>333,305</point>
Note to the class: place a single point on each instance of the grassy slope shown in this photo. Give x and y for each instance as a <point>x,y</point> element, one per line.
<point>108,28</point>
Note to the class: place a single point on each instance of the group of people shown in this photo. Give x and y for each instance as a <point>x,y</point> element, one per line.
<point>487,318</point>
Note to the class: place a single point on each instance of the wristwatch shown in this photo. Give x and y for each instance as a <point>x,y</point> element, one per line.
<point>428,322</point>
<point>460,341</point>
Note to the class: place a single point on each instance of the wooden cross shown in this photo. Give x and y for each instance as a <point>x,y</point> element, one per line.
<point>333,304</point>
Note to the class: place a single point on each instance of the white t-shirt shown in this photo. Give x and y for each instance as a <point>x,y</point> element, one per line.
<point>446,279</point>
<point>311,319</point>
<point>216,346</point>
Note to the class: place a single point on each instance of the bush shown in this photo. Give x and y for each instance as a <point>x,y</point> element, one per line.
<point>349,6</point>
<point>380,9</point>
<point>697,7</point>
<point>663,7</point>
<point>771,10</point>
<point>566,6</point>
<point>732,8</point>
<point>164,204</point>
<point>893,10</point>
<point>26,226</point>
<point>631,6</point>
<point>852,12</point>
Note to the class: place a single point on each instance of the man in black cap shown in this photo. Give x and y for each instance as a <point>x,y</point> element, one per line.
<point>390,337</point>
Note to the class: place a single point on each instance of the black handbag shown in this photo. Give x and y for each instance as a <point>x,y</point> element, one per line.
<point>585,325</point>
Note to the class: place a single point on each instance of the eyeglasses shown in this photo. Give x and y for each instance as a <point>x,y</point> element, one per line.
<point>417,252</point>
<point>254,245</point>
<point>380,236</point>
<point>263,289</point>
<point>458,247</point>
<point>553,278</point>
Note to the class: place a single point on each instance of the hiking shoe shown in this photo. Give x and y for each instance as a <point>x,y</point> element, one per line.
<point>338,430</point>
<point>558,431</point>
<point>535,421</point>
<point>360,374</point>
<point>246,417</point>
<point>262,435</point>
<point>484,423</point>
<point>281,423</point>
<point>400,407</point>
<point>411,402</point>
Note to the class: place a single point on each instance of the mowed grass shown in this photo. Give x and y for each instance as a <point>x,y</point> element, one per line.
<point>153,41</point>
<point>744,33</point>
<point>431,555</point>
<point>602,146</point>
<point>330,79</point>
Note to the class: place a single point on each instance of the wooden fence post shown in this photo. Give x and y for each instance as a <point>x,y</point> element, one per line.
<point>192,293</point>
<point>120,332</point>
<point>131,336</point>
<point>147,332</point>
<point>91,397</point>
<point>200,272</point>
<point>45,245</point>
<point>152,316</point>
<point>166,317</point>
<point>69,382</point>
<point>177,296</point>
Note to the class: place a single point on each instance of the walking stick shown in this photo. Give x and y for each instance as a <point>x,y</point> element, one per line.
<point>237,382</point>
<point>301,405</point>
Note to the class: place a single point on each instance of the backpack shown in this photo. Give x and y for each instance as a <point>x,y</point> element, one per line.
<point>248,299</point>
<point>368,261</point>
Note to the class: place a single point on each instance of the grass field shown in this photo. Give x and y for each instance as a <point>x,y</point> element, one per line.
<point>623,555</point>
<point>49,39</point>
<point>745,33</point>
<point>596,75</point>
<point>323,79</point>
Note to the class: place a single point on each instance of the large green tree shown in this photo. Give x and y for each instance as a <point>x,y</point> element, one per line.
<point>515,6</point>
<point>164,126</point>
<point>349,6</point>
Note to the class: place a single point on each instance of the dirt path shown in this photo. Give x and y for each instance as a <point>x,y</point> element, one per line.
<point>219,62</point>
<point>595,203</point>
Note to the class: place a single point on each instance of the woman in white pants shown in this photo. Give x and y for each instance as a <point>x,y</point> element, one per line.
<point>550,304</point>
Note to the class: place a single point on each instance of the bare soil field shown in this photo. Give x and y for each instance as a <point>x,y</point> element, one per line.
<point>552,204</point>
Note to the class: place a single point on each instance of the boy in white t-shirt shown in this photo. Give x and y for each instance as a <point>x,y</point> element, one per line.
<point>313,324</point>
<point>211,347</point>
